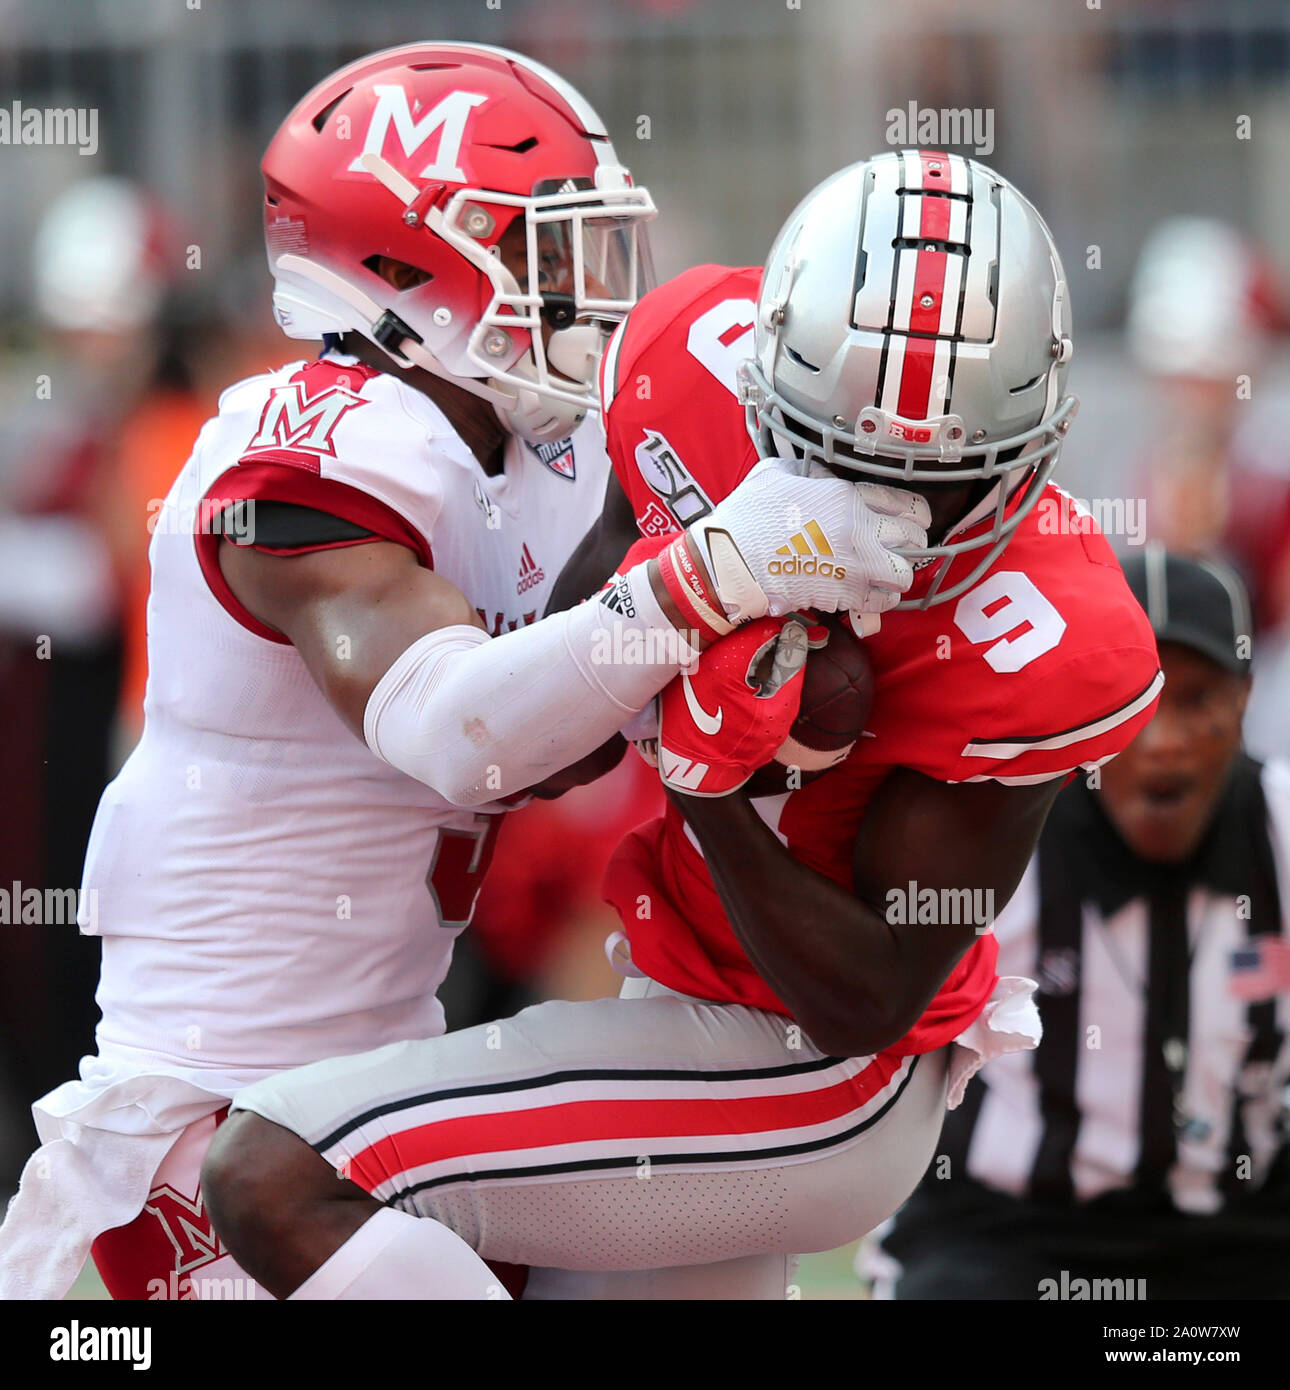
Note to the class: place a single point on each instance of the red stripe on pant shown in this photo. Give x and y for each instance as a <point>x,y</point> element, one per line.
<point>574,1122</point>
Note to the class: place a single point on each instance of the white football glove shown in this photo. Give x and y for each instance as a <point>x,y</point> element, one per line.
<point>782,541</point>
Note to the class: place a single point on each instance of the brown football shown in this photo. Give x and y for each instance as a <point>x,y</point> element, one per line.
<point>837,698</point>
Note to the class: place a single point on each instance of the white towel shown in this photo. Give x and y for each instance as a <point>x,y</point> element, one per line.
<point>103,1139</point>
<point>1008,1023</point>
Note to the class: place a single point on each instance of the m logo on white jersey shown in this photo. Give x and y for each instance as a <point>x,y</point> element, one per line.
<point>292,422</point>
<point>450,116</point>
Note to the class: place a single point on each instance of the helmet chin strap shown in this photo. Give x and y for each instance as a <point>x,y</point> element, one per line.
<point>538,420</point>
<point>535,420</point>
<point>575,352</point>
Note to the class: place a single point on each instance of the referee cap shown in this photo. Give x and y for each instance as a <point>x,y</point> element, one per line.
<point>1201,604</point>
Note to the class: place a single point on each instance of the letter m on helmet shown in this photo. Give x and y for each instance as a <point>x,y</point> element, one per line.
<point>450,114</point>
<point>292,422</point>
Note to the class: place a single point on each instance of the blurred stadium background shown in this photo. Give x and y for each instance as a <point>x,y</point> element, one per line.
<point>125,308</point>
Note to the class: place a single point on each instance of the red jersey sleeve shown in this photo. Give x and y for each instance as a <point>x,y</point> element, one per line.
<point>1091,686</point>
<point>674,430</point>
<point>1046,666</point>
<point>1109,697</point>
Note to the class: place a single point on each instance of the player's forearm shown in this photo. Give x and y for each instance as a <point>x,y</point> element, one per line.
<point>478,718</point>
<point>594,766</point>
<point>829,956</point>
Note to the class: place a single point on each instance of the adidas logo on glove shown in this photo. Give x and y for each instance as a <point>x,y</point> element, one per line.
<point>803,557</point>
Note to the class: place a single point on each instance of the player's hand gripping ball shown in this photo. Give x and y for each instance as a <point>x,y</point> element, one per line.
<point>837,699</point>
<point>768,708</point>
<point>724,716</point>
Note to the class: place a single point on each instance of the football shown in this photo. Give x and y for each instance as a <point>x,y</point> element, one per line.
<point>837,697</point>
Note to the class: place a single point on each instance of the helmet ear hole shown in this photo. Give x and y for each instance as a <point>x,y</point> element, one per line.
<point>400,274</point>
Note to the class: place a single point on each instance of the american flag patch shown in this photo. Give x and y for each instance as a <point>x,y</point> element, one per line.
<point>1260,969</point>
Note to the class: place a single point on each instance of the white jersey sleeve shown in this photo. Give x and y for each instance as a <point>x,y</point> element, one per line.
<point>333,435</point>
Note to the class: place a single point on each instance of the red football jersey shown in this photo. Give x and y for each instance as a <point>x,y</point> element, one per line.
<point>1046,665</point>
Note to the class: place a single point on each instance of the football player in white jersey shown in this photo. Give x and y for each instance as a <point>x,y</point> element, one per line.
<point>349,678</point>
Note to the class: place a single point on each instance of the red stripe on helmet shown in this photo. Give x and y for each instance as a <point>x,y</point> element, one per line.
<point>929,285</point>
<point>916,378</point>
<point>934,219</point>
<point>935,168</point>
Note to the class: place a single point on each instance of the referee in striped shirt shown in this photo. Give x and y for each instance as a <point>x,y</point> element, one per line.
<point>1145,1140</point>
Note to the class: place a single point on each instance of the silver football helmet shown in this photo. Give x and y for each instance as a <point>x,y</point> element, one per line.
<point>914,325</point>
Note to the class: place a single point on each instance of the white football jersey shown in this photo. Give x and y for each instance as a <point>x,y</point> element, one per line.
<point>268,891</point>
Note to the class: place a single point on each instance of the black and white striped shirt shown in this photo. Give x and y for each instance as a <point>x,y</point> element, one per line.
<point>1153,1076</point>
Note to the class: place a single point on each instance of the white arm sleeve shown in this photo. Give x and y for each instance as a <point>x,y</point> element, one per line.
<point>477,717</point>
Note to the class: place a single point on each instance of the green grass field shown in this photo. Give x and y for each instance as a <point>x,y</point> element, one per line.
<point>827,1275</point>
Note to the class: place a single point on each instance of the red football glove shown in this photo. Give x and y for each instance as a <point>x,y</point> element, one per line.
<point>728,716</point>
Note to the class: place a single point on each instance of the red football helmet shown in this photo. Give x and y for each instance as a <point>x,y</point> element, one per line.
<point>463,208</point>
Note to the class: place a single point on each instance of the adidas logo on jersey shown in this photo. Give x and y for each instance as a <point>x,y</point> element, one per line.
<point>808,552</point>
<point>531,572</point>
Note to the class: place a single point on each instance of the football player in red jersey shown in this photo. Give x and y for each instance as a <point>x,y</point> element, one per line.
<point>912,325</point>
<point>793,988</point>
